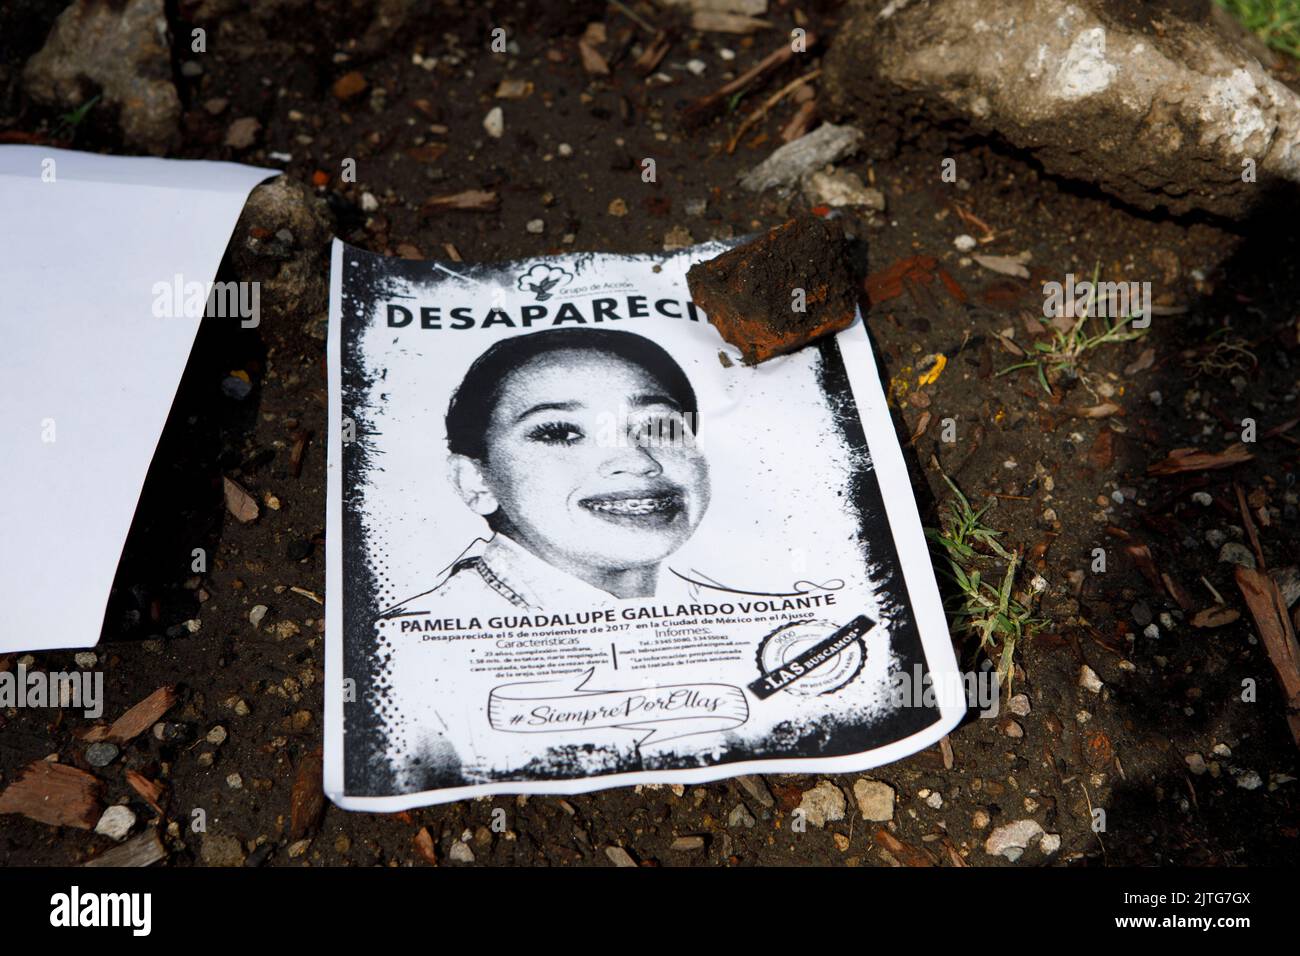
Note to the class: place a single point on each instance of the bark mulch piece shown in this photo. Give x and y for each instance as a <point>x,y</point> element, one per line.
<point>136,720</point>
<point>56,794</point>
<point>1268,608</point>
<point>307,802</point>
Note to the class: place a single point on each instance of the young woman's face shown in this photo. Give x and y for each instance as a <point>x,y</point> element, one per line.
<point>579,461</point>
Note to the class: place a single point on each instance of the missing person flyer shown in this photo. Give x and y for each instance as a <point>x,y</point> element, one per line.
<point>570,547</point>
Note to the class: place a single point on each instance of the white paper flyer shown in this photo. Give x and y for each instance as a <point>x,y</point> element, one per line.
<point>94,250</point>
<point>570,548</point>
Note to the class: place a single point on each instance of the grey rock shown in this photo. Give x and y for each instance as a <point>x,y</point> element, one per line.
<point>122,50</point>
<point>1078,83</point>
<point>756,788</point>
<point>260,855</point>
<point>740,817</point>
<point>787,166</point>
<point>101,754</point>
<point>460,852</point>
<point>1288,580</point>
<point>293,274</point>
<point>1236,553</point>
<point>1142,615</point>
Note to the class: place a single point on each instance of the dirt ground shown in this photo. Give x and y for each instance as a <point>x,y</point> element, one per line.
<point>1184,769</point>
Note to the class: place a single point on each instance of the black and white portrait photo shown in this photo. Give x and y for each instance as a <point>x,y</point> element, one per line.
<point>574,543</point>
<point>579,449</point>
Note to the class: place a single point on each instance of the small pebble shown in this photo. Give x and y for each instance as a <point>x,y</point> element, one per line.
<point>619,856</point>
<point>101,754</point>
<point>1089,680</point>
<point>1250,780</point>
<point>116,823</point>
<point>495,122</point>
<point>740,817</point>
<point>535,226</point>
<point>965,243</point>
<point>1234,552</point>
<point>256,614</point>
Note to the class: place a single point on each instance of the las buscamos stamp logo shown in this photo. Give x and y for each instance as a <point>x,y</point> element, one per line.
<point>811,657</point>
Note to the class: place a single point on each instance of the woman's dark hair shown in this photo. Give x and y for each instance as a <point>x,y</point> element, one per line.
<point>472,404</point>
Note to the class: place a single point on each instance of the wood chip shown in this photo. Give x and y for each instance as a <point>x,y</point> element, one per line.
<point>1182,460</point>
<point>1251,533</point>
<point>907,855</point>
<point>702,110</point>
<point>143,850</point>
<point>654,53</point>
<point>1216,616</point>
<point>1268,609</point>
<point>424,846</point>
<point>708,21</point>
<point>1102,453</point>
<point>136,720</point>
<point>300,439</point>
<point>1104,410</point>
<point>239,502</point>
<point>1141,363</point>
<point>309,595</point>
<point>467,200</point>
<point>307,802</point>
<point>428,153</point>
<point>56,794</point>
<point>150,790</point>
<point>945,747</point>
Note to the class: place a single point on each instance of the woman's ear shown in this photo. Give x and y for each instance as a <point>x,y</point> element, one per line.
<point>467,476</point>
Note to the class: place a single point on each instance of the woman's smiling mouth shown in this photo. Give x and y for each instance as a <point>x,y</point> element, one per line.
<point>656,508</point>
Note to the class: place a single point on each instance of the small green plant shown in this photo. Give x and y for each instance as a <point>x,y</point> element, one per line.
<point>1067,348</point>
<point>69,121</point>
<point>1276,22</point>
<point>992,611</point>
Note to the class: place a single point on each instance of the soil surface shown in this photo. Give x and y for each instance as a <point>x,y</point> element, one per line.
<point>1184,769</point>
